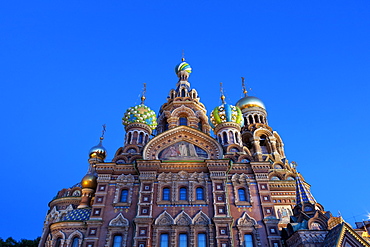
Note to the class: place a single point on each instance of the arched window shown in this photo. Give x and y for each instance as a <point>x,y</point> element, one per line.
<point>263,144</point>
<point>58,242</point>
<point>236,137</point>
<point>290,178</point>
<point>75,242</point>
<point>117,241</point>
<point>166,194</point>
<point>141,137</point>
<point>275,178</point>
<point>124,195</point>
<point>261,119</point>
<point>129,137</point>
<point>250,119</point>
<point>224,135</point>
<point>183,195</point>
<point>248,240</point>
<point>183,240</point>
<point>242,196</point>
<point>182,92</point>
<point>256,118</point>
<point>183,121</point>
<point>200,193</point>
<point>164,242</point>
<point>202,241</point>
<point>200,127</point>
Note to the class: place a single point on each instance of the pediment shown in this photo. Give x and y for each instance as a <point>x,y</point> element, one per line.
<point>182,143</point>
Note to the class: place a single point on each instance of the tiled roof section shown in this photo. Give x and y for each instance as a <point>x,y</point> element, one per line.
<point>79,214</point>
<point>303,192</point>
<point>332,237</point>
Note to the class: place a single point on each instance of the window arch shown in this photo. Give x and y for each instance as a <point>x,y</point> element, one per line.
<point>166,194</point>
<point>225,137</point>
<point>242,195</point>
<point>250,119</point>
<point>200,193</point>
<point>183,121</point>
<point>274,178</point>
<point>183,195</point>
<point>141,137</point>
<point>124,195</point>
<point>117,241</point>
<point>75,242</point>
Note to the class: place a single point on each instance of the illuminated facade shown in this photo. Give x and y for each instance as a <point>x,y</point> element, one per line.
<point>175,184</point>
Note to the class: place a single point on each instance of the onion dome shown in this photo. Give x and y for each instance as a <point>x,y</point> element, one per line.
<point>89,181</point>
<point>98,151</point>
<point>250,101</point>
<point>140,114</point>
<point>226,113</point>
<point>183,66</point>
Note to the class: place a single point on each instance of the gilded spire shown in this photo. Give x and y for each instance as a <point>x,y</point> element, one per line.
<point>222,93</point>
<point>245,92</point>
<point>143,94</point>
<point>103,132</point>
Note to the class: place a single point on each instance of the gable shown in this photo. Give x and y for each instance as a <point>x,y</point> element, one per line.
<point>182,143</point>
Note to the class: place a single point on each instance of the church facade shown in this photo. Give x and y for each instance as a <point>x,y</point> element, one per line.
<point>184,178</point>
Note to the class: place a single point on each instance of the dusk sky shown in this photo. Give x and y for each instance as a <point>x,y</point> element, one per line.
<point>68,67</point>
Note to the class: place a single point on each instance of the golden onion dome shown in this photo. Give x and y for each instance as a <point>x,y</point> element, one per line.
<point>250,101</point>
<point>98,151</point>
<point>89,181</point>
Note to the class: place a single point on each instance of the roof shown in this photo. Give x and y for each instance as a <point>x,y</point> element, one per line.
<point>79,214</point>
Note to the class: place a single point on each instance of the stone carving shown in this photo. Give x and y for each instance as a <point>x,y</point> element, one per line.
<point>246,220</point>
<point>119,220</point>
<point>164,219</point>
<point>201,219</point>
<point>183,219</point>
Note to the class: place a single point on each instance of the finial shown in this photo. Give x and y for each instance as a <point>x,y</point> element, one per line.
<point>183,55</point>
<point>143,94</point>
<point>103,132</point>
<point>222,93</point>
<point>243,86</point>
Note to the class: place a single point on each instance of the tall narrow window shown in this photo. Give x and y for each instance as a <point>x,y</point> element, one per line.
<point>129,137</point>
<point>117,241</point>
<point>75,242</point>
<point>225,137</point>
<point>183,121</point>
<point>250,119</point>
<point>58,242</point>
<point>183,194</point>
<point>141,137</point>
<point>200,126</point>
<point>256,118</point>
<point>166,194</point>
<point>164,240</point>
<point>182,92</point>
<point>183,240</point>
<point>248,240</point>
<point>202,242</point>
<point>200,194</point>
<point>242,197</point>
<point>124,195</point>
<point>263,144</point>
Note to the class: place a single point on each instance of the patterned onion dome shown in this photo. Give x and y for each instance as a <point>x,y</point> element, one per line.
<point>89,181</point>
<point>140,114</point>
<point>250,101</point>
<point>98,152</point>
<point>183,66</point>
<point>226,113</point>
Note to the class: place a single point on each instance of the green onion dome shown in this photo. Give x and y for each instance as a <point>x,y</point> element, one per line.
<point>226,113</point>
<point>140,114</point>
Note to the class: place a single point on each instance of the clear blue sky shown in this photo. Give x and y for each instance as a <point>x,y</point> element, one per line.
<point>67,67</point>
